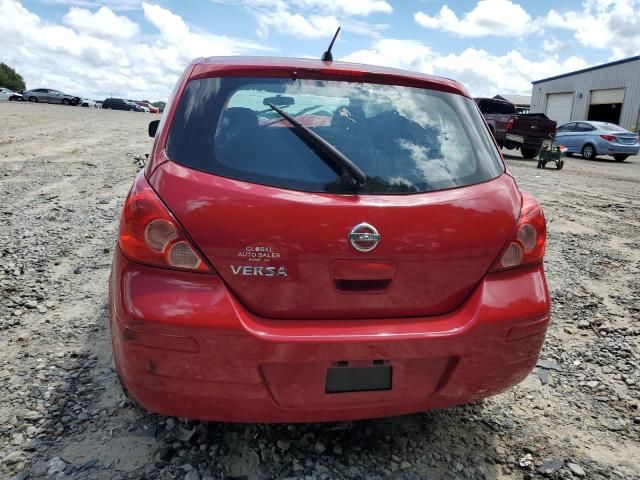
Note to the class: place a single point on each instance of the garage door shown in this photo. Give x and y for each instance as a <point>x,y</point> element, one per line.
<point>606,97</point>
<point>559,107</point>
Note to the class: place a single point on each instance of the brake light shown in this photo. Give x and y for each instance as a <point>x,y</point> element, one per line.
<point>149,234</point>
<point>343,72</point>
<point>529,240</point>
<point>609,138</point>
<point>510,124</point>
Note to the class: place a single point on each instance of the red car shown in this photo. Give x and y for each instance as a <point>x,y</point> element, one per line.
<point>323,241</point>
<point>152,109</point>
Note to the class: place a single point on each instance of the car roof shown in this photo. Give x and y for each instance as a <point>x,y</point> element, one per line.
<point>594,123</point>
<point>237,65</point>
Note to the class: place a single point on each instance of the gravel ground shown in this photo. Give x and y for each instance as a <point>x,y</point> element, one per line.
<point>64,172</point>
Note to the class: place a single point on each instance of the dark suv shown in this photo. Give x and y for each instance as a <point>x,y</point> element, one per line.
<point>120,104</point>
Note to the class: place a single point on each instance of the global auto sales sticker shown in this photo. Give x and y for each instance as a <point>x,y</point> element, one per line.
<point>257,254</point>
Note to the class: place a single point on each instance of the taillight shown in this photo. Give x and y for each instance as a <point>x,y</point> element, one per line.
<point>609,138</point>
<point>510,124</point>
<point>527,245</point>
<point>149,234</point>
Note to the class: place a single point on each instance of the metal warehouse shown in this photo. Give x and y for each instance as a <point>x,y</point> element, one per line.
<point>608,93</point>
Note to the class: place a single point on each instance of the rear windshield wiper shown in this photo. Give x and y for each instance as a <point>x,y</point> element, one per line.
<point>331,155</point>
<point>297,114</point>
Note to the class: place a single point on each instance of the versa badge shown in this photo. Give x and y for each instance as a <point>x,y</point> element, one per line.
<point>259,271</point>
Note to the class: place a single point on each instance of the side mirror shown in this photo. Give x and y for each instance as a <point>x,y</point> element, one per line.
<point>153,127</point>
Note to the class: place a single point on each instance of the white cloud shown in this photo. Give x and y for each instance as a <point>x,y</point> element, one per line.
<point>512,72</point>
<point>488,17</point>
<point>390,52</point>
<point>112,4</point>
<point>314,18</point>
<point>603,24</point>
<point>85,57</point>
<point>177,44</point>
<point>552,45</point>
<point>103,23</point>
<point>478,70</point>
<point>314,26</point>
<point>346,7</point>
<point>79,58</point>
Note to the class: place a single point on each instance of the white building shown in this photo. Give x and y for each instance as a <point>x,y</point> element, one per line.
<point>608,92</point>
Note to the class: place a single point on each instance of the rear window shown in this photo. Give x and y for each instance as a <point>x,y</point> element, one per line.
<point>491,107</point>
<point>405,140</point>
<point>609,126</point>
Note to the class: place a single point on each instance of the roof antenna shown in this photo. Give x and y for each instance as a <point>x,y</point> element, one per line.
<point>328,56</point>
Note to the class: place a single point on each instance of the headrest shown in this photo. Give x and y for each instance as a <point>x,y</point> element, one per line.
<point>238,117</point>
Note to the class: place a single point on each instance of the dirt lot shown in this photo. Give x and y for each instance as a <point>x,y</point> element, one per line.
<point>64,172</point>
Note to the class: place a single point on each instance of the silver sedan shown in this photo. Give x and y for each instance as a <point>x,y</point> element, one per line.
<point>47,95</point>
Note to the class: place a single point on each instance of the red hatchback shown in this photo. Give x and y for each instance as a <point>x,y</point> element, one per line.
<point>320,241</point>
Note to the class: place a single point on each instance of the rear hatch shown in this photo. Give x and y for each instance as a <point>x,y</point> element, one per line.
<point>284,228</point>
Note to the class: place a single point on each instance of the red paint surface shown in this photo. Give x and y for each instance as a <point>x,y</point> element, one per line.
<point>219,346</point>
<point>442,242</point>
<point>197,352</point>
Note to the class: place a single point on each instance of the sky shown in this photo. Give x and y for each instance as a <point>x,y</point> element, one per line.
<point>137,49</point>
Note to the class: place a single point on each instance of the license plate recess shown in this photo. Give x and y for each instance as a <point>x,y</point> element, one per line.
<point>358,379</point>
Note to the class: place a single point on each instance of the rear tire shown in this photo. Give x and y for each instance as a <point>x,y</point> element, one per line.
<point>529,152</point>
<point>33,99</point>
<point>559,164</point>
<point>65,101</point>
<point>589,151</point>
<point>620,157</point>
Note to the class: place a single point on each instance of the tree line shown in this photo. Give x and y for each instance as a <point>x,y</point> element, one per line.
<point>11,79</point>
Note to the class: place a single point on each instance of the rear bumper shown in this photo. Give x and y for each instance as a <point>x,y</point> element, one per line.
<point>184,346</point>
<point>608,148</point>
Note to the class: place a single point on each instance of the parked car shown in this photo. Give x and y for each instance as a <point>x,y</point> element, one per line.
<point>121,104</point>
<point>47,95</point>
<point>9,95</point>
<point>526,131</point>
<point>87,102</point>
<point>143,107</point>
<point>379,262</point>
<point>590,139</point>
<point>151,108</point>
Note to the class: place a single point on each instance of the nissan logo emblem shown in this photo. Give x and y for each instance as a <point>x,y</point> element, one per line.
<point>364,237</point>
